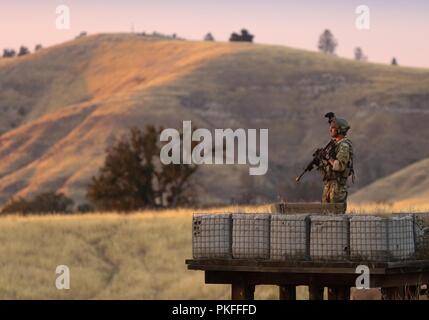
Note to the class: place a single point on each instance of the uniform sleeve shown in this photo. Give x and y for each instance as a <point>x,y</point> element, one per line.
<point>343,157</point>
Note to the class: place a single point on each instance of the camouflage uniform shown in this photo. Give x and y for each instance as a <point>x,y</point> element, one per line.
<point>335,177</point>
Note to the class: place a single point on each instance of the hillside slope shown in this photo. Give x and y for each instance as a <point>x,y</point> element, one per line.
<point>63,105</point>
<point>408,186</point>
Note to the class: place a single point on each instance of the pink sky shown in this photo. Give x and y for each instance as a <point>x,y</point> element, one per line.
<point>398,28</point>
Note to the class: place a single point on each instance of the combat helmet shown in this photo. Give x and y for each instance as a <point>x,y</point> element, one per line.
<point>341,124</point>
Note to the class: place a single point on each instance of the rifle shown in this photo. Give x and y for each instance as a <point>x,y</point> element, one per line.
<point>319,156</point>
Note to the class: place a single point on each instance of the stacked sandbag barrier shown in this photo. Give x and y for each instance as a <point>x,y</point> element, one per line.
<point>290,234</point>
<point>211,236</point>
<point>251,236</point>
<point>329,237</point>
<point>376,238</point>
<point>315,237</point>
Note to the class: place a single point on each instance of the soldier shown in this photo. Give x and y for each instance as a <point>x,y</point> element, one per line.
<point>339,166</point>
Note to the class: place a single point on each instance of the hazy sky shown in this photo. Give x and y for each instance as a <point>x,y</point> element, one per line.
<point>397,28</point>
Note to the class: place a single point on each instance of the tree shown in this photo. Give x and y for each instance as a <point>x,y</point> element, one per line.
<point>16,205</point>
<point>245,36</point>
<point>46,202</point>
<point>394,62</point>
<point>133,177</point>
<point>38,47</point>
<point>327,42</point>
<point>359,55</point>
<point>23,51</point>
<point>52,202</point>
<point>209,37</point>
<point>9,53</point>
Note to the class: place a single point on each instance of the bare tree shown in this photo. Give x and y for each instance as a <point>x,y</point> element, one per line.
<point>327,42</point>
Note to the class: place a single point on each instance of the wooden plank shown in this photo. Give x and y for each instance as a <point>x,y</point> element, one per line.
<point>308,207</point>
<point>413,266</point>
<point>290,263</point>
<point>287,292</point>
<point>258,278</point>
<point>328,280</point>
<point>408,264</point>
<point>291,270</point>
<point>276,266</point>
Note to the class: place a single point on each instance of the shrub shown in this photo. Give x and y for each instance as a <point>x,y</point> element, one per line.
<point>23,51</point>
<point>47,202</point>
<point>9,53</point>
<point>245,36</point>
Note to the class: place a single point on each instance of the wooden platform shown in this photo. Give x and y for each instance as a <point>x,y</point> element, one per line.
<point>398,280</point>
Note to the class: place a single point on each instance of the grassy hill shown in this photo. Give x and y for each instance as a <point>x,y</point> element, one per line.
<point>406,187</point>
<point>63,105</point>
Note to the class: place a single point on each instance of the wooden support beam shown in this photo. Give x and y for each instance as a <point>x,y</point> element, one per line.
<point>287,292</point>
<point>339,293</point>
<point>315,292</point>
<point>242,291</point>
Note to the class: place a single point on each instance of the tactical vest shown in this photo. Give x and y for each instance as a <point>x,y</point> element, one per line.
<point>342,176</point>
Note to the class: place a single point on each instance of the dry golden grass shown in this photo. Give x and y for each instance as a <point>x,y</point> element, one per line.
<point>388,208</point>
<point>126,65</point>
<point>110,256</point>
